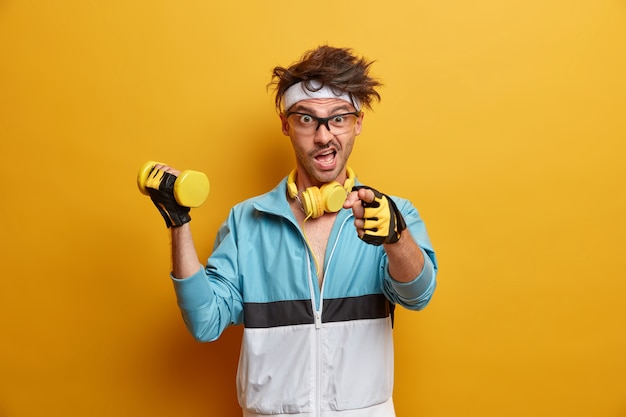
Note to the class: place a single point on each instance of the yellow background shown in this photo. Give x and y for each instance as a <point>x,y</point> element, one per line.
<point>503,121</point>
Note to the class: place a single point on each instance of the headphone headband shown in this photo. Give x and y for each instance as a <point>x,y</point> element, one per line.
<point>292,188</point>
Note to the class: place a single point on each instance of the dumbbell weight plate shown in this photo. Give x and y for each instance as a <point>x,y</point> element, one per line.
<point>191,188</point>
<point>142,175</point>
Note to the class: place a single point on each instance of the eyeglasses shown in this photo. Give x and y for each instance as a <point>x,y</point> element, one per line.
<point>337,124</point>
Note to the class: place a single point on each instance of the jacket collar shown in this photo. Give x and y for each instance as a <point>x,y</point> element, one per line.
<point>275,201</point>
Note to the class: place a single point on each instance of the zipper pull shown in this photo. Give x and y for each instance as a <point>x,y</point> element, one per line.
<point>318,320</point>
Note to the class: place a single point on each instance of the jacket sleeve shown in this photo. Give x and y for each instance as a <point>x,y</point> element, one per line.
<point>210,301</point>
<point>416,294</point>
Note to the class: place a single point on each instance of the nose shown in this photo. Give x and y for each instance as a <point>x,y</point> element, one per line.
<point>323,134</point>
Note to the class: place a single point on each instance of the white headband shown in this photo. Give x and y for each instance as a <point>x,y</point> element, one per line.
<point>299,92</point>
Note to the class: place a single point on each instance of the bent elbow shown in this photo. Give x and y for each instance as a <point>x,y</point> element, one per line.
<point>420,303</point>
<point>202,331</point>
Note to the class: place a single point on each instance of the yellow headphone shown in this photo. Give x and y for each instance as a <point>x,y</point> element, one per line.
<point>328,198</point>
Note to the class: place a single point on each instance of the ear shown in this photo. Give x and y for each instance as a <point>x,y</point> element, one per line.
<point>284,124</point>
<point>359,124</point>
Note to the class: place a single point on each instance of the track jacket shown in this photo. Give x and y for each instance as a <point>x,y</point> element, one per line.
<point>306,351</point>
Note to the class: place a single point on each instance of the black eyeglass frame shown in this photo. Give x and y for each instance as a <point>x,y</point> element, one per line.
<point>323,120</point>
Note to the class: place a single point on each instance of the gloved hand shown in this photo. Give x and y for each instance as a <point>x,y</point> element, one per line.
<point>160,188</point>
<point>383,222</point>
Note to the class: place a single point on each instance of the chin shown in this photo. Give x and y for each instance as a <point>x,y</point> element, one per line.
<point>328,176</point>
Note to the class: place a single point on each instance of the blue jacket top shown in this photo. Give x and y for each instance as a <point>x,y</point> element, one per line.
<point>262,274</point>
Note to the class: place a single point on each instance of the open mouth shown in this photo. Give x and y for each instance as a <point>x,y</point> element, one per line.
<point>326,158</point>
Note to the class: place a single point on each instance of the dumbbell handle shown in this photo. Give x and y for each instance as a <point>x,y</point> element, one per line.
<point>191,188</point>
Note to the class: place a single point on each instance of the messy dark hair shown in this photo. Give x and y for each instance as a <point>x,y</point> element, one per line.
<point>337,68</point>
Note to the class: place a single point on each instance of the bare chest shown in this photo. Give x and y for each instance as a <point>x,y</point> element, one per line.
<point>316,232</point>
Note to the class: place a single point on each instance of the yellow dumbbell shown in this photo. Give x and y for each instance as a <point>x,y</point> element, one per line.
<point>191,188</point>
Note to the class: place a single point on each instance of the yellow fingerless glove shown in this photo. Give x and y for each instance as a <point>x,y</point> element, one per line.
<point>383,222</point>
<point>160,187</point>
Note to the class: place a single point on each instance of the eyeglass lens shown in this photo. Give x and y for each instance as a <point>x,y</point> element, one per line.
<point>336,124</point>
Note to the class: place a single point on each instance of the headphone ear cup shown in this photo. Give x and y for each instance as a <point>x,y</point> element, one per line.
<point>333,196</point>
<point>312,202</point>
<point>327,199</point>
<point>350,181</point>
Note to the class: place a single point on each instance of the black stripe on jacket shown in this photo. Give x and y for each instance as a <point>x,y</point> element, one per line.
<point>293,312</point>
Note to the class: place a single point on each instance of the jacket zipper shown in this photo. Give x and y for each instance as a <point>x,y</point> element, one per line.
<point>318,336</point>
<point>317,313</point>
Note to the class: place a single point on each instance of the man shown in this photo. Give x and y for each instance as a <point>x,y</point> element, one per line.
<point>315,296</point>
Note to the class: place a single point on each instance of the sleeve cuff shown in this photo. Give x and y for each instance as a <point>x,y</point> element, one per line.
<point>194,291</point>
<point>421,288</point>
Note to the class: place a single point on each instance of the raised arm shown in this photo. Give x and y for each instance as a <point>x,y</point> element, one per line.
<point>185,261</point>
<point>162,183</point>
